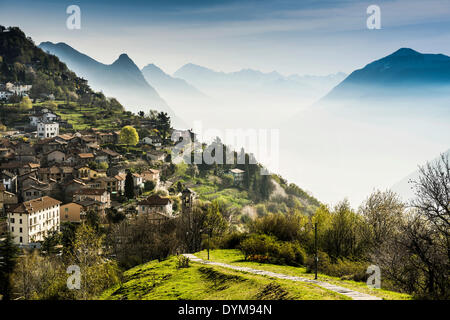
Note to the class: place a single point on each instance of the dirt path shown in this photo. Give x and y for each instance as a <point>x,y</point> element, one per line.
<point>355,295</point>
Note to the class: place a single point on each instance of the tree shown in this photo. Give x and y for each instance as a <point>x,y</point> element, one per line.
<point>129,136</point>
<point>163,125</point>
<point>103,165</point>
<point>192,170</point>
<point>343,238</point>
<point>96,273</point>
<point>93,219</point>
<point>8,259</point>
<point>214,222</point>
<point>382,212</point>
<point>50,243</point>
<point>149,185</point>
<point>432,191</point>
<point>129,186</point>
<point>25,104</point>
<point>114,216</point>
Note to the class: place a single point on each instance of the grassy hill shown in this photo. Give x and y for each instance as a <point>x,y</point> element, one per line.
<point>235,257</point>
<point>164,281</point>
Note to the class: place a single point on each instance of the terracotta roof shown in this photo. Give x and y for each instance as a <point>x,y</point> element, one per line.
<point>110,152</point>
<point>90,191</point>
<point>155,200</point>
<point>16,165</point>
<point>75,181</point>
<point>119,177</point>
<point>65,136</point>
<point>34,205</point>
<point>85,155</point>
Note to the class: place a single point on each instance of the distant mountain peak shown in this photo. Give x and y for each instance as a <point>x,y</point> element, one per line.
<point>402,52</point>
<point>124,59</point>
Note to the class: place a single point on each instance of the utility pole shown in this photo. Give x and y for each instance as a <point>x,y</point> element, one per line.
<point>316,258</point>
<point>209,235</point>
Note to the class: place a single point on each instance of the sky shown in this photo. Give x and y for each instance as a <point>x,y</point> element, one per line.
<point>289,36</point>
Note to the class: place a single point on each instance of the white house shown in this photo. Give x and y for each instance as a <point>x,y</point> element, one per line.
<point>18,89</point>
<point>9,181</point>
<point>238,175</point>
<point>31,221</point>
<point>155,204</point>
<point>5,95</point>
<point>138,180</point>
<point>154,141</point>
<point>46,116</point>
<point>47,129</point>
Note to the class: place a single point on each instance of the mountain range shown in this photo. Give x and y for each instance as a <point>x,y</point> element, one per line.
<point>255,81</point>
<point>397,75</point>
<point>372,129</point>
<point>168,85</point>
<point>122,79</point>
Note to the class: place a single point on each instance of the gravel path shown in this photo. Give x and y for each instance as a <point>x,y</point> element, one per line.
<point>355,295</point>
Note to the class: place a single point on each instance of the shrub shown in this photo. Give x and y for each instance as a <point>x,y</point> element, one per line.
<point>342,268</point>
<point>264,248</point>
<point>182,262</point>
<point>261,210</point>
<point>232,240</point>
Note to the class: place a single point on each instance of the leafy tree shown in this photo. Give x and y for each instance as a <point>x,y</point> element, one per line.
<point>129,186</point>
<point>129,136</point>
<point>215,224</point>
<point>96,274</point>
<point>51,241</point>
<point>149,185</point>
<point>192,170</point>
<point>103,165</point>
<point>93,218</point>
<point>114,216</point>
<point>25,104</point>
<point>382,212</point>
<point>8,259</point>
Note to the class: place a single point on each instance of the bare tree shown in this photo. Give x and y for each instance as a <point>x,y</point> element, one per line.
<point>432,191</point>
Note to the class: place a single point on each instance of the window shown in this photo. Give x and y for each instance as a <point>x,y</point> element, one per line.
<point>20,240</point>
<point>12,229</point>
<point>20,221</point>
<point>20,230</point>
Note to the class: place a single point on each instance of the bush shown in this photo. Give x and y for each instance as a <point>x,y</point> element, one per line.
<point>232,240</point>
<point>261,210</point>
<point>263,248</point>
<point>182,262</point>
<point>343,268</point>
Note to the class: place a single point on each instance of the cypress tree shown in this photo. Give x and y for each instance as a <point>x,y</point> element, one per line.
<point>129,186</point>
<point>8,258</point>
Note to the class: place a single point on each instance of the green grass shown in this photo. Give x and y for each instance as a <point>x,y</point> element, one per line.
<point>163,281</point>
<point>235,257</point>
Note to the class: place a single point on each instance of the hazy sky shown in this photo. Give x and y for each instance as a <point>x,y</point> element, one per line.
<point>290,36</point>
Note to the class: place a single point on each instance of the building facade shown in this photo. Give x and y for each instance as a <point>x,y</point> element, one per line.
<point>47,129</point>
<point>31,221</point>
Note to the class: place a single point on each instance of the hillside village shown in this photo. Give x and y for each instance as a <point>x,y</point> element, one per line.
<point>84,182</point>
<point>71,173</point>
